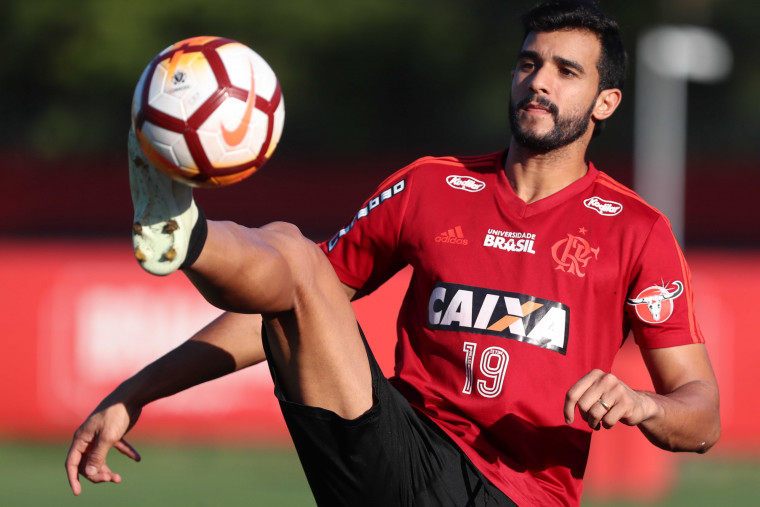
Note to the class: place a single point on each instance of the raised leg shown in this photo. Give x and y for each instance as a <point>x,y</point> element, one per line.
<point>274,270</point>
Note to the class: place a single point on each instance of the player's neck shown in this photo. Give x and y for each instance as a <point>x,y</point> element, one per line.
<point>534,176</point>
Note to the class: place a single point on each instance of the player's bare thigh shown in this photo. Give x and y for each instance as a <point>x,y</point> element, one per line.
<point>317,350</point>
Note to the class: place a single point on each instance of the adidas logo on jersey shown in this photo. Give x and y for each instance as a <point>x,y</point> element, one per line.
<point>453,236</point>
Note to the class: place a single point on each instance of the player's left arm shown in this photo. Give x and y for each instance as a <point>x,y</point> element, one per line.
<point>682,415</point>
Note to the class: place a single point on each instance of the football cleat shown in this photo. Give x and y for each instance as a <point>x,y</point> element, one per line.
<point>165,214</point>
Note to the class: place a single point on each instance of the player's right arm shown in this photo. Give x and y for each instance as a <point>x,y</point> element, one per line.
<point>229,343</point>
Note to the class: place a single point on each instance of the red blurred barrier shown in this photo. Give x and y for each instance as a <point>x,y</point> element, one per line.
<point>31,200</point>
<point>79,317</point>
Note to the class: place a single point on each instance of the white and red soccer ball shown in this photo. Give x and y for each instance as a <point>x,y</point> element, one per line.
<point>208,111</point>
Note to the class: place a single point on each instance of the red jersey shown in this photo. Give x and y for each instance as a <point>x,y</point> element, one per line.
<point>510,304</point>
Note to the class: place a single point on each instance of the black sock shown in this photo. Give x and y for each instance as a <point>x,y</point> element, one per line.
<point>197,240</point>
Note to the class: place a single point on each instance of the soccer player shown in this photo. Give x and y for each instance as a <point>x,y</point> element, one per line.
<point>530,267</point>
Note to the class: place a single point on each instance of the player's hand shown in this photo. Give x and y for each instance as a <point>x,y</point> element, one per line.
<point>103,429</point>
<point>603,400</point>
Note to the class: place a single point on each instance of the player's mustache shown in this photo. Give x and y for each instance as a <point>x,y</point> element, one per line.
<point>541,101</point>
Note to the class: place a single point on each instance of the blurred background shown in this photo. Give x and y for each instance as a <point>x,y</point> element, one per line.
<point>369,86</point>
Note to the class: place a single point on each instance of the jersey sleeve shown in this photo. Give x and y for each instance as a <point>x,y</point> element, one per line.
<point>660,301</point>
<point>365,253</point>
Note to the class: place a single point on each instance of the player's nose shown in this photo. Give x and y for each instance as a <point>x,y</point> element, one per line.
<point>539,81</point>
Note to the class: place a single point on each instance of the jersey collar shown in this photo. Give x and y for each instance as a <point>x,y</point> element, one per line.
<point>523,210</point>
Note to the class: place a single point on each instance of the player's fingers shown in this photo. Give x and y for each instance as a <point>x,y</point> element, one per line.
<point>613,415</point>
<point>94,466</point>
<point>576,393</point>
<point>105,474</point>
<point>74,484</point>
<point>573,396</point>
<point>597,401</point>
<point>590,410</point>
<point>627,407</point>
<point>126,449</point>
<point>73,459</point>
<point>598,409</point>
<point>610,406</point>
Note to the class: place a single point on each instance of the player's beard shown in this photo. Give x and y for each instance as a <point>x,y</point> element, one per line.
<point>566,128</point>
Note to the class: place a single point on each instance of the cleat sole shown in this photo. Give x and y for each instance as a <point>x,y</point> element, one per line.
<point>171,226</point>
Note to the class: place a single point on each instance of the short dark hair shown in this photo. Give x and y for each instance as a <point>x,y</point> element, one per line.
<point>554,15</point>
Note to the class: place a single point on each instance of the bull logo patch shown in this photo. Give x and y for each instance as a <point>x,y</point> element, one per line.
<point>655,304</point>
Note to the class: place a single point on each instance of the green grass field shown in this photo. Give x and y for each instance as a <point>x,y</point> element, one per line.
<point>32,474</point>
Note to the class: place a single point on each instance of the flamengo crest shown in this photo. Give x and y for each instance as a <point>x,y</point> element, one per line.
<point>572,255</point>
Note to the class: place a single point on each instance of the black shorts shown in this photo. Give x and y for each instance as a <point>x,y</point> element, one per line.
<point>389,456</point>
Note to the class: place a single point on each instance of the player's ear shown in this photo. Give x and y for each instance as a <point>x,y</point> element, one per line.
<point>606,103</point>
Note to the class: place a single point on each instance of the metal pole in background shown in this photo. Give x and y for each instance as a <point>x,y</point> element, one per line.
<point>667,57</point>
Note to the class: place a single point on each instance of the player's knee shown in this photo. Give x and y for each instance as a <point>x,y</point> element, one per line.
<point>286,229</point>
<point>303,255</point>
<point>314,258</point>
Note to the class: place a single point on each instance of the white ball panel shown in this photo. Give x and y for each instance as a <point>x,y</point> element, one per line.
<point>170,145</point>
<point>212,145</point>
<point>234,158</point>
<point>257,132</point>
<point>279,122</point>
<point>182,154</point>
<point>220,154</point>
<point>189,86</point>
<point>238,60</point>
<point>228,115</point>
